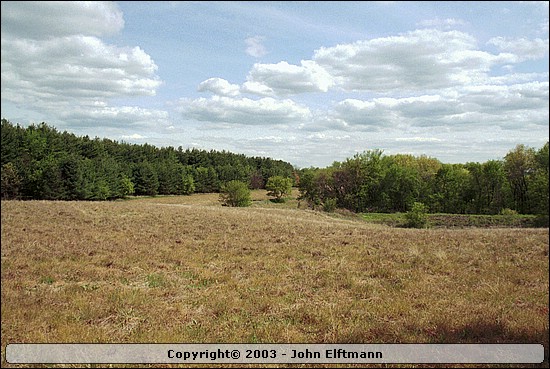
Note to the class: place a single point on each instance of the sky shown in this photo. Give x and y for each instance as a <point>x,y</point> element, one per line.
<point>305,82</point>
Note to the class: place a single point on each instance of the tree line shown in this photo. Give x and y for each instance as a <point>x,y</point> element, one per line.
<point>374,182</point>
<point>39,162</point>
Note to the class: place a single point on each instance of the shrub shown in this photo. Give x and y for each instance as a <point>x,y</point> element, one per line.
<point>508,212</point>
<point>329,205</point>
<point>235,193</point>
<point>417,217</point>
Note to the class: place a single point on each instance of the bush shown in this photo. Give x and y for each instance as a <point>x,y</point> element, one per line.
<point>235,193</point>
<point>417,217</point>
<point>508,212</point>
<point>329,205</point>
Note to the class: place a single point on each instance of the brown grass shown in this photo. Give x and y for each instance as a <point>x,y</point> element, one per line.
<point>186,269</point>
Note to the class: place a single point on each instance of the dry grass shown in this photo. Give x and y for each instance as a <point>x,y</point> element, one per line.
<point>185,269</point>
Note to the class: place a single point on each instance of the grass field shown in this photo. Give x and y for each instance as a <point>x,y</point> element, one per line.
<point>186,269</point>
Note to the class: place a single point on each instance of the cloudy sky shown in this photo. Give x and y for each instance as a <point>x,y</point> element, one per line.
<point>305,82</point>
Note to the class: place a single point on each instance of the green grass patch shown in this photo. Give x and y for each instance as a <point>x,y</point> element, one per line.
<point>156,280</point>
<point>390,219</point>
<point>47,280</point>
<point>461,220</point>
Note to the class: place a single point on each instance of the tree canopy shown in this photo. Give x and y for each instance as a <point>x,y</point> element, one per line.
<point>373,182</point>
<point>39,162</point>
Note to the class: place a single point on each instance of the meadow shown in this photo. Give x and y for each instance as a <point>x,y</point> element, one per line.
<point>186,269</point>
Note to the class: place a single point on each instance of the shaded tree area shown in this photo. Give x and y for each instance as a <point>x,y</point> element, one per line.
<point>39,162</point>
<point>373,182</point>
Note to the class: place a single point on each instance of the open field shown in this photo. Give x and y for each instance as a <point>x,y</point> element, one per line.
<point>185,269</point>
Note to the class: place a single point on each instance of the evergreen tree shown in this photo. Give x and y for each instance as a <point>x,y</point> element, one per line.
<point>145,179</point>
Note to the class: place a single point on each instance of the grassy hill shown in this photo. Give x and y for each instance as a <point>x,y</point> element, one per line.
<point>185,269</point>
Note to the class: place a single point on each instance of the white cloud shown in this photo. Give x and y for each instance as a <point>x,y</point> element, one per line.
<point>254,46</point>
<point>322,137</point>
<point>525,49</point>
<point>41,20</point>
<point>418,139</point>
<point>258,88</point>
<point>75,66</point>
<point>425,59</point>
<point>515,78</point>
<point>135,136</point>
<point>219,86</point>
<point>321,149</point>
<point>285,79</point>
<point>244,111</point>
<point>518,106</point>
<point>54,63</point>
<point>113,116</point>
<point>365,115</point>
<point>417,60</point>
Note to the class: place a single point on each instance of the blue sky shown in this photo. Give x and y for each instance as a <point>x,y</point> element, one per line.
<point>305,82</point>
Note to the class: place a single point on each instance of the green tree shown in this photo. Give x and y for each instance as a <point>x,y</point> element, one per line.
<point>308,187</point>
<point>486,187</point>
<point>539,182</point>
<point>235,193</point>
<point>400,186</point>
<point>102,191</point>
<point>69,166</point>
<point>126,186</point>
<point>365,173</point>
<point>278,187</point>
<point>206,179</point>
<point>49,179</point>
<point>187,184</point>
<point>146,180</point>
<point>54,165</point>
<point>12,139</point>
<point>451,189</point>
<point>519,165</point>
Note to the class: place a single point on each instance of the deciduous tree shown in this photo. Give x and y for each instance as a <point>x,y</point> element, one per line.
<point>278,186</point>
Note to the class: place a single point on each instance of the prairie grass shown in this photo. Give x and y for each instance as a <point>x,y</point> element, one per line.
<point>185,269</point>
